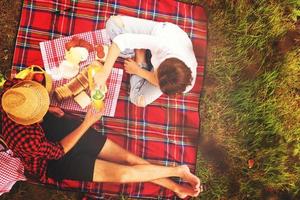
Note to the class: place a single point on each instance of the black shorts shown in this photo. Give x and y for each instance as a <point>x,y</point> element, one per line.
<point>78,163</point>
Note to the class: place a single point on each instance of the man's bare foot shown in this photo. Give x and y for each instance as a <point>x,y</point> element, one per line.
<point>184,191</point>
<point>193,180</point>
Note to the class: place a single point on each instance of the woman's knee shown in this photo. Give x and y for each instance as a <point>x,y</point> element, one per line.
<point>114,26</point>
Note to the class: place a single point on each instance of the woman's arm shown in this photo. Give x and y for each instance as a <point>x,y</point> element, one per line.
<point>69,141</point>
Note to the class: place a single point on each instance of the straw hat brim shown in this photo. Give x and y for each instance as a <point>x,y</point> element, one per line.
<point>43,103</point>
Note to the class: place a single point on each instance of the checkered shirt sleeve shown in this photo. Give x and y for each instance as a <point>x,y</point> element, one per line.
<point>33,143</point>
<point>29,142</point>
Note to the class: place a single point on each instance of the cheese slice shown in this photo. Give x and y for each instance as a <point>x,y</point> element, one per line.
<point>83,99</point>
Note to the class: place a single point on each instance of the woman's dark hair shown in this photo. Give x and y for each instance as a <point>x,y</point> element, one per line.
<point>173,76</point>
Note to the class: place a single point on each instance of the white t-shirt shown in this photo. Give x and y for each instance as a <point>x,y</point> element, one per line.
<point>163,39</point>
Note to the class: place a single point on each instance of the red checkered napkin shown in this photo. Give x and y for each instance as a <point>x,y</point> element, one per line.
<point>53,53</point>
<point>11,170</point>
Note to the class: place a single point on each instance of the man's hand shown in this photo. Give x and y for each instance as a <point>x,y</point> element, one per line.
<point>92,116</point>
<point>131,67</point>
<point>56,111</point>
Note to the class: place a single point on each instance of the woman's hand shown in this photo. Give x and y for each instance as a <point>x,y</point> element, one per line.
<point>131,67</point>
<point>93,115</point>
<point>100,79</point>
<point>100,75</point>
<point>56,111</point>
<point>69,141</point>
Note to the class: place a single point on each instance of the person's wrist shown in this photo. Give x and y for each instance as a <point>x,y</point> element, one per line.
<point>86,124</point>
<point>105,77</point>
<point>139,71</point>
<point>142,65</point>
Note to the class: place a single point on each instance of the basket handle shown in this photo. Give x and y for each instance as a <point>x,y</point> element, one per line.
<point>42,71</point>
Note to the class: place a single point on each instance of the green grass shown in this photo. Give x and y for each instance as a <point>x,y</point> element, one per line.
<point>251,104</point>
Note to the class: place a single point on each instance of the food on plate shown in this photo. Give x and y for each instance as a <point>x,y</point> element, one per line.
<point>72,58</point>
<point>62,93</point>
<point>77,50</point>
<point>77,54</point>
<point>74,42</point>
<point>101,52</point>
<point>73,87</point>
<point>86,44</point>
<point>78,42</point>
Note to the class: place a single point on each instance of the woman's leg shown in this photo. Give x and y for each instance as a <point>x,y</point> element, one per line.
<point>114,153</point>
<point>105,171</point>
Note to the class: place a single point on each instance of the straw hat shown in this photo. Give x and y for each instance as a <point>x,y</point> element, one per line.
<point>26,102</point>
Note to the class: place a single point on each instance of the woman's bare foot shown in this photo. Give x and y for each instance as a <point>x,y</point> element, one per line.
<point>193,180</point>
<point>184,191</point>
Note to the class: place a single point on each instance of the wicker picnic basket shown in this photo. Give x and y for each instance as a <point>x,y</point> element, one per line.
<point>29,72</point>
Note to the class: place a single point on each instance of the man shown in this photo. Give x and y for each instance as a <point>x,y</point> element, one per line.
<point>173,59</point>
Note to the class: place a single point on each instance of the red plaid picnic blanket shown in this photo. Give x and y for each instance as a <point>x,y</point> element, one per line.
<point>53,53</point>
<point>165,132</point>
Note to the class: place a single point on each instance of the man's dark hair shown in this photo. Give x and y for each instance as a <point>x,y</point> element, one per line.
<point>173,76</point>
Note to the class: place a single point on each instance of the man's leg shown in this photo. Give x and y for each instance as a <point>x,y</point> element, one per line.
<point>114,27</point>
<point>114,153</point>
<point>142,92</point>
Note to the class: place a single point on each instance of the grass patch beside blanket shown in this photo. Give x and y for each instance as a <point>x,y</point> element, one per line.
<point>251,105</point>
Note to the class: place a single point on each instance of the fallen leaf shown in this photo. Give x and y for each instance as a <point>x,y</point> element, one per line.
<point>250,163</point>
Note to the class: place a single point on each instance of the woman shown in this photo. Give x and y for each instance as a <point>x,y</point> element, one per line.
<point>50,145</point>
<point>173,59</point>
